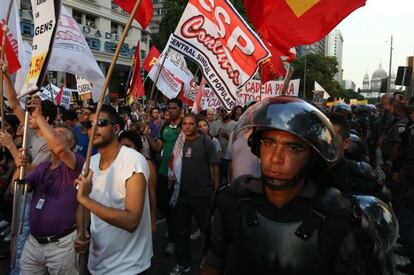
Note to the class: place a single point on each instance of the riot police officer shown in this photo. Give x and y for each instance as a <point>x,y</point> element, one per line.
<point>351,176</point>
<point>287,221</point>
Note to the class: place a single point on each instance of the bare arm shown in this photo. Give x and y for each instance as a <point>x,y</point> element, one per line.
<point>128,218</point>
<point>155,144</point>
<point>12,95</point>
<point>62,150</point>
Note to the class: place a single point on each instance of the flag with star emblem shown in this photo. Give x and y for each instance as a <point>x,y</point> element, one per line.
<point>289,23</point>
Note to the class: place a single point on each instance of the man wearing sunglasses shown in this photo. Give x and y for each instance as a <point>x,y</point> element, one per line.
<point>115,192</point>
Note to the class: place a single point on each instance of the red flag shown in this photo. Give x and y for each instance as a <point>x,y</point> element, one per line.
<point>144,13</point>
<point>289,23</point>
<point>58,97</point>
<point>10,53</point>
<point>197,103</point>
<point>137,87</point>
<point>151,59</point>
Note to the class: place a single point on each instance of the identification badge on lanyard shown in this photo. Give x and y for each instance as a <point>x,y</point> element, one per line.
<point>40,203</point>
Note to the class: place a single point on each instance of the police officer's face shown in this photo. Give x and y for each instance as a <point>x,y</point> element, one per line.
<point>283,155</point>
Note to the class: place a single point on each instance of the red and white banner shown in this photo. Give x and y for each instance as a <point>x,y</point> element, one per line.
<point>214,35</point>
<point>60,96</point>
<point>16,42</point>
<point>174,73</point>
<point>251,92</point>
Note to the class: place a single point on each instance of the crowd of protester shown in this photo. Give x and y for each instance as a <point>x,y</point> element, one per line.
<point>133,185</point>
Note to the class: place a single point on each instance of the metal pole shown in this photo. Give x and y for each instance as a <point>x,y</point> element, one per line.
<point>389,69</point>
<point>85,172</point>
<point>20,189</point>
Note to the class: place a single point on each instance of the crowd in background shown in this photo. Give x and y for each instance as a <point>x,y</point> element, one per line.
<point>377,144</point>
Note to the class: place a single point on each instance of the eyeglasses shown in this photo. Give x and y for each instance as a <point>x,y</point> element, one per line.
<point>102,122</point>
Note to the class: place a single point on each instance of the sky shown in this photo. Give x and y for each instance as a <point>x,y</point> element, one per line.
<point>367,34</point>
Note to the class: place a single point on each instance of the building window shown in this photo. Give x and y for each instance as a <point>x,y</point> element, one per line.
<point>114,28</point>
<point>26,29</point>
<point>90,21</point>
<point>26,5</point>
<point>77,15</point>
<point>114,6</point>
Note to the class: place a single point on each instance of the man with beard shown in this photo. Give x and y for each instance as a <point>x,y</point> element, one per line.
<point>288,221</point>
<point>116,193</point>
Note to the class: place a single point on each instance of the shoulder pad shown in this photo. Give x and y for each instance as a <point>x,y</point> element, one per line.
<point>331,202</point>
<point>363,170</point>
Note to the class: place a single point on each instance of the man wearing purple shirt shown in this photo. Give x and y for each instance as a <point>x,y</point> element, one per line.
<point>49,247</point>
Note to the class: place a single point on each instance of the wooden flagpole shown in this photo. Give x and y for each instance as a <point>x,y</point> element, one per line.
<point>157,76</point>
<point>287,79</point>
<point>84,213</point>
<point>3,51</point>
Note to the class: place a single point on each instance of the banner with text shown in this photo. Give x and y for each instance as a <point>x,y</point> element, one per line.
<point>46,14</point>
<point>72,54</point>
<point>60,96</point>
<point>215,36</point>
<point>251,92</point>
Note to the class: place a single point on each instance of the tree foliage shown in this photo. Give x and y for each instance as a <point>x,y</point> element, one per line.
<point>319,68</point>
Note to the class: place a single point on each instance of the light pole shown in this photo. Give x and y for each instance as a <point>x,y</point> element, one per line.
<point>304,73</point>
<point>389,69</point>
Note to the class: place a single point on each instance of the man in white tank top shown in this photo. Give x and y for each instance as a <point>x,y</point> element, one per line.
<point>116,194</point>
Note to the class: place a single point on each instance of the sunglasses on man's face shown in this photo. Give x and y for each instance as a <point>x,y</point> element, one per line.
<point>102,122</point>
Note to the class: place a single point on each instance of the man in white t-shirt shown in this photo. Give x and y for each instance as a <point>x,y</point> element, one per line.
<point>116,193</point>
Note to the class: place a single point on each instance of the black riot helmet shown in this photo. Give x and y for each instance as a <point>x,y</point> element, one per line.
<point>382,217</point>
<point>297,117</point>
<point>292,115</point>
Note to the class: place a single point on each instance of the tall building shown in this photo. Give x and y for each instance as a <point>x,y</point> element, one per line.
<point>334,47</point>
<point>348,84</point>
<point>315,48</point>
<point>365,82</point>
<point>158,14</point>
<point>102,23</point>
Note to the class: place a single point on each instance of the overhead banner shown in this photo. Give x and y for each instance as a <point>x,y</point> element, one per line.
<point>215,36</point>
<point>45,17</point>
<point>71,54</point>
<point>173,75</point>
<point>252,91</point>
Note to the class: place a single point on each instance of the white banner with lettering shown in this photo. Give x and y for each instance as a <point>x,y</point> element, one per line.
<point>251,92</point>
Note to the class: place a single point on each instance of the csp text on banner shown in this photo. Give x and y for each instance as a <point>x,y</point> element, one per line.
<point>215,36</point>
